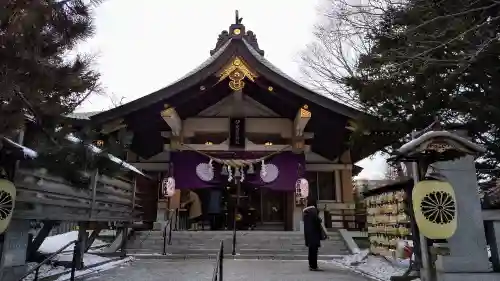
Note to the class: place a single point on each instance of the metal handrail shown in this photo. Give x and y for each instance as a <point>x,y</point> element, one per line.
<point>36,269</point>
<point>167,239</point>
<point>218,274</point>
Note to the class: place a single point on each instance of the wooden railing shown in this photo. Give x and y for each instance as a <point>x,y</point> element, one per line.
<point>42,196</point>
<point>344,215</point>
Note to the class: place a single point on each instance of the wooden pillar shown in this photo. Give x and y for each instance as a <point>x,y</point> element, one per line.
<point>92,238</point>
<point>123,248</point>
<point>35,244</point>
<point>81,244</point>
<point>289,208</point>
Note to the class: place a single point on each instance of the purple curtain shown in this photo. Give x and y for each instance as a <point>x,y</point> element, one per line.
<point>290,167</point>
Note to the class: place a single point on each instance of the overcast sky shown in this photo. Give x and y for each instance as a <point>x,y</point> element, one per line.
<point>142,46</point>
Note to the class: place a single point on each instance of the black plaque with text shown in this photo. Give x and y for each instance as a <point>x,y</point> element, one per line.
<point>237,132</point>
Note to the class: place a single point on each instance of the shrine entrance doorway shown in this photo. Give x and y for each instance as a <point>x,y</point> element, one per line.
<point>260,208</point>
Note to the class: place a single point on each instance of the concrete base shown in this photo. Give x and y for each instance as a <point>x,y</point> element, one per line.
<point>349,241</point>
<point>492,276</point>
<point>159,225</point>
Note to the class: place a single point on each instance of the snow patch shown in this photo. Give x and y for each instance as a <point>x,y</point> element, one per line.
<point>44,271</point>
<point>95,270</point>
<point>374,267</point>
<point>53,243</point>
<point>88,260</point>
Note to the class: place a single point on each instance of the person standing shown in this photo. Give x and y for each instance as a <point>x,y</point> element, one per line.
<point>193,203</point>
<point>313,232</point>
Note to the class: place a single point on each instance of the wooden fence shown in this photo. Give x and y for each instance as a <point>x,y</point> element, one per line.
<point>41,196</point>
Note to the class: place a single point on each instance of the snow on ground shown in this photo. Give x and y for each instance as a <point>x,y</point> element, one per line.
<point>45,270</point>
<point>88,259</point>
<point>49,270</point>
<point>374,267</point>
<point>97,269</point>
<point>53,243</point>
<point>56,242</point>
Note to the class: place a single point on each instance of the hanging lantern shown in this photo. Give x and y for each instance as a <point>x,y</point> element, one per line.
<point>304,187</point>
<point>435,209</point>
<point>301,190</point>
<point>168,187</point>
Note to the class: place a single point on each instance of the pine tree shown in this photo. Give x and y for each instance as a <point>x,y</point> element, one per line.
<point>43,78</point>
<point>40,74</point>
<point>434,59</point>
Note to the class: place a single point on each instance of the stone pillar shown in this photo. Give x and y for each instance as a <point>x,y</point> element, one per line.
<point>468,245</point>
<point>161,215</point>
<point>14,250</point>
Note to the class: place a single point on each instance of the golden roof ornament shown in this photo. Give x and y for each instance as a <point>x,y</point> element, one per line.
<point>237,71</point>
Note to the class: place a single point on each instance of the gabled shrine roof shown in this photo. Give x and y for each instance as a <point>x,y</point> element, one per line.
<point>229,46</point>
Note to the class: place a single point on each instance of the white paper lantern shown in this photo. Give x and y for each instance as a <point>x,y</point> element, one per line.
<point>168,186</point>
<point>302,188</point>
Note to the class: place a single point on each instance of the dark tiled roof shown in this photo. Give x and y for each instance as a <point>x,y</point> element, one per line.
<point>83,115</point>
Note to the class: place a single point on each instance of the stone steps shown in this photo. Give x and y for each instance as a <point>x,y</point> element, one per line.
<point>238,256</point>
<point>249,244</point>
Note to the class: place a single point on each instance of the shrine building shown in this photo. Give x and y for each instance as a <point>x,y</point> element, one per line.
<point>237,117</point>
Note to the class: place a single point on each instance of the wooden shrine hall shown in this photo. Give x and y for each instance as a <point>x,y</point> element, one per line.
<point>238,116</point>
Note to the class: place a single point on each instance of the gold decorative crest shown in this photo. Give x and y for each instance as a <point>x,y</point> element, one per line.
<point>435,209</point>
<point>236,72</point>
<point>304,112</point>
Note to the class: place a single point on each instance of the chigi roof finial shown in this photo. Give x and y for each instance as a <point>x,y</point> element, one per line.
<point>238,20</point>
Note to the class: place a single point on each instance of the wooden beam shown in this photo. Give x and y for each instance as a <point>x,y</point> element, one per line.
<point>38,241</point>
<point>306,135</point>
<point>225,147</point>
<point>169,114</point>
<point>325,167</point>
<point>113,126</point>
<point>301,120</point>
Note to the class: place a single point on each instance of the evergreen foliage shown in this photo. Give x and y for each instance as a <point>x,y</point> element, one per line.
<point>39,72</point>
<point>43,78</point>
<point>433,59</point>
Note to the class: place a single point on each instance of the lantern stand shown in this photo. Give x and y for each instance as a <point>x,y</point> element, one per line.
<point>428,146</point>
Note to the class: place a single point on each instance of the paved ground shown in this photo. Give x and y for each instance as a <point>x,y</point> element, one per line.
<point>234,270</point>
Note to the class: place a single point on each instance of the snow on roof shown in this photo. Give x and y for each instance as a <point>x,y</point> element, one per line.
<point>82,115</point>
<point>113,158</point>
<point>411,145</point>
<point>28,152</point>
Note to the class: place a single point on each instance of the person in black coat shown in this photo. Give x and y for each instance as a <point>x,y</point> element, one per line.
<point>313,232</point>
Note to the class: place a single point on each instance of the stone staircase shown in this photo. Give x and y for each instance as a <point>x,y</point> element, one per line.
<point>250,245</point>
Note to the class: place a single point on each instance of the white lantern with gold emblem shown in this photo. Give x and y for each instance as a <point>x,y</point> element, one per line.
<point>7,203</point>
<point>435,208</point>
